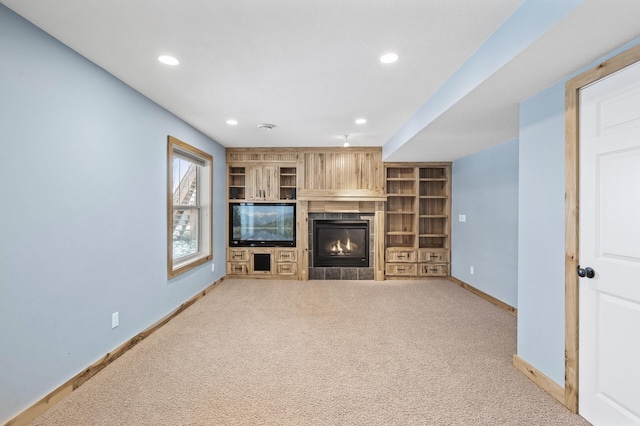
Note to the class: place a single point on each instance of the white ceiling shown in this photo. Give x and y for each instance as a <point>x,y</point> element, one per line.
<point>311,67</point>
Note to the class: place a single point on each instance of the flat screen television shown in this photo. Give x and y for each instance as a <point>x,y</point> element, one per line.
<point>262,224</point>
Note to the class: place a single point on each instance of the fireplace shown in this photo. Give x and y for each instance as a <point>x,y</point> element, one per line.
<point>340,272</point>
<point>341,243</point>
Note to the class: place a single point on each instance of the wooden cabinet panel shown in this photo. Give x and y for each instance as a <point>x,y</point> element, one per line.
<point>238,255</point>
<point>254,183</point>
<point>402,255</point>
<point>270,182</point>
<point>243,156</point>
<point>433,256</point>
<point>257,155</point>
<point>286,269</point>
<point>401,269</point>
<point>343,170</point>
<point>286,255</point>
<point>433,270</point>
<point>237,268</point>
<point>262,182</point>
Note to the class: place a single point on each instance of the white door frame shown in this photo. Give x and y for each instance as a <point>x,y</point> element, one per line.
<point>572,203</point>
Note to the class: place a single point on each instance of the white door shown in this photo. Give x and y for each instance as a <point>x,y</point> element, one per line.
<point>609,368</point>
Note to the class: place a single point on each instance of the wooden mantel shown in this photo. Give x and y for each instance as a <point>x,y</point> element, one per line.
<point>352,195</point>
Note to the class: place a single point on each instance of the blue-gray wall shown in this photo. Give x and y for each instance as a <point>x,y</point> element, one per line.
<point>541,229</point>
<point>83,218</point>
<point>541,243</point>
<point>485,190</point>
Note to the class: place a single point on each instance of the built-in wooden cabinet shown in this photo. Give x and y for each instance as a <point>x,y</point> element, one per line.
<point>262,182</point>
<point>262,261</point>
<point>262,176</point>
<point>417,219</point>
<point>256,175</point>
<point>413,207</point>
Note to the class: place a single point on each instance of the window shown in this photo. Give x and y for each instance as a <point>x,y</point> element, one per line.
<point>190,182</point>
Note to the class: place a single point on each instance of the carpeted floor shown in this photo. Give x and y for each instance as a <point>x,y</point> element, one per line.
<point>261,352</point>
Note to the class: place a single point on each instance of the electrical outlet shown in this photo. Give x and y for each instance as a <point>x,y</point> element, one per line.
<point>462,218</point>
<point>471,270</point>
<point>115,320</point>
<point>213,267</point>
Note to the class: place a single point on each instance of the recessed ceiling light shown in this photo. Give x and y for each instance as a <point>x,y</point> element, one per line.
<point>232,122</point>
<point>168,60</point>
<point>266,126</point>
<point>388,58</point>
<point>361,120</point>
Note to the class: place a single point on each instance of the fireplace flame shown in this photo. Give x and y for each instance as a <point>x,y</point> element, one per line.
<point>339,249</point>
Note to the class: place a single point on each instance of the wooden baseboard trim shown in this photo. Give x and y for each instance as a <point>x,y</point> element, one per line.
<point>74,383</point>
<point>537,377</point>
<point>485,296</point>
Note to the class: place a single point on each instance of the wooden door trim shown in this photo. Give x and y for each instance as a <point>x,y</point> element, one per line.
<point>572,214</point>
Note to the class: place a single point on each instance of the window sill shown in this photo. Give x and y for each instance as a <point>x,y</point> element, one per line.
<point>187,265</point>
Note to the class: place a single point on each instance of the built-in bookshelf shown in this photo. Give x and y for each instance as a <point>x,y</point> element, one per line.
<point>288,183</point>
<point>417,219</point>
<point>237,183</point>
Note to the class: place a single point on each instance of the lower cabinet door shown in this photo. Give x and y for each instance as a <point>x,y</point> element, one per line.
<point>401,269</point>
<point>433,270</point>
<point>286,269</point>
<point>286,256</point>
<point>237,268</point>
<point>238,255</point>
<point>433,256</point>
<point>401,255</point>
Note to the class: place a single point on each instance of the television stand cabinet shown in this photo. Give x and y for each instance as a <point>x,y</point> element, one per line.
<point>267,262</point>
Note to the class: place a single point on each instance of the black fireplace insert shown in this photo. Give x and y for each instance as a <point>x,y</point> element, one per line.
<point>341,243</point>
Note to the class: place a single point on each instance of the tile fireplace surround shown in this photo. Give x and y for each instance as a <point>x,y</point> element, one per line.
<point>337,272</point>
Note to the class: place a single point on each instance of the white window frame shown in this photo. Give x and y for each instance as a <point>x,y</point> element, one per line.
<point>204,190</point>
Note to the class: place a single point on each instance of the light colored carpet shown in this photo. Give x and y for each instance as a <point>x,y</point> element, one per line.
<point>262,352</point>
